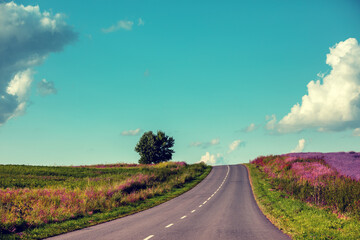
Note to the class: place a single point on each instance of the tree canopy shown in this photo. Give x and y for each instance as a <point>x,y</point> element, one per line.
<point>155,148</point>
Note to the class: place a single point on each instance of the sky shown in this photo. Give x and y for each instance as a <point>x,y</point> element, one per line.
<point>80,82</point>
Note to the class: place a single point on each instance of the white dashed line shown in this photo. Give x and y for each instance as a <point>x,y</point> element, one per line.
<point>169,225</point>
<point>147,238</point>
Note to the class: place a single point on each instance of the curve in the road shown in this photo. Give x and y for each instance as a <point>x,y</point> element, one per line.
<point>220,207</point>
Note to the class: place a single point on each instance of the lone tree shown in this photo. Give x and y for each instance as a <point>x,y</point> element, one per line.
<point>154,148</point>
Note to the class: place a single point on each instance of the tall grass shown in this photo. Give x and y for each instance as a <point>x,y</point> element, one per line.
<point>313,181</point>
<point>81,191</point>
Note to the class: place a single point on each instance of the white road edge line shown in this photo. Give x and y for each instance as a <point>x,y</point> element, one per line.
<point>183,217</point>
<point>147,238</point>
<point>169,225</point>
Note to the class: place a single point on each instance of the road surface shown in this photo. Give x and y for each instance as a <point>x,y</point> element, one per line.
<point>220,207</point>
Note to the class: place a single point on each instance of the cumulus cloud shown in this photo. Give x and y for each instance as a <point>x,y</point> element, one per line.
<point>131,132</point>
<point>356,132</point>
<point>122,24</point>
<point>250,128</point>
<point>235,145</point>
<point>27,37</point>
<point>300,147</point>
<point>213,142</point>
<point>332,102</point>
<point>46,88</point>
<point>20,85</point>
<point>212,159</point>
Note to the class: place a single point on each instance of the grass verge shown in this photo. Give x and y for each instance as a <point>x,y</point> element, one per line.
<point>53,229</point>
<point>298,219</point>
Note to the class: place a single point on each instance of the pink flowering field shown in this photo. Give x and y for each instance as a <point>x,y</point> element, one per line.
<point>32,196</point>
<point>346,163</point>
<point>326,180</point>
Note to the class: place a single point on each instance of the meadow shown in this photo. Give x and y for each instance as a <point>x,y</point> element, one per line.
<point>32,197</point>
<point>309,188</point>
<point>345,163</point>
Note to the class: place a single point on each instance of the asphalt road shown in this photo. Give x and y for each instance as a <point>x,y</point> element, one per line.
<point>220,207</point>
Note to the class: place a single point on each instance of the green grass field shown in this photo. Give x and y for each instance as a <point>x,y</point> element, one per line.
<point>38,202</point>
<point>300,220</point>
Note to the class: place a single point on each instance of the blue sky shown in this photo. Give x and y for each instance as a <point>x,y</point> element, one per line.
<point>85,80</point>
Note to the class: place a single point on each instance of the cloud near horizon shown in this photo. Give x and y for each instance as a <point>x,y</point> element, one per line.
<point>235,145</point>
<point>333,102</point>
<point>27,37</point>
<point>131,132</point>
<point>212,159</point>
<point>250,128</point>
<point>356,132</point>
<point>122,24</point>
<point>213,142</point>
<point>300,147</point>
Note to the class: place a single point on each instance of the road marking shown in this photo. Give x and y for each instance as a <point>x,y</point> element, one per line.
<point>148,237</point>
<point>169,225</point>
<point>222,183</point>
<point>209,198</point>
<point>183,217</point>
<point>204,202</point>
<point>200,206</point>
<point>193,211</point>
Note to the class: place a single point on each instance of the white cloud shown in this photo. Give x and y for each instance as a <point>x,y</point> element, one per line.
<point>270,125</point>
<point>131,132</point>
<point>320,75</point>
<point>213,142</point>
<point>212,159</point>
<point>250,128</point>
<point>122,24</point>
<point>20,84</point>
<point>141,22</point>
<point>356,132</point>
<point>196,144</point>
<point>46,88</point>
<point>332,103</point>
<point>27,36</point>
<point>300,147</point>
<point>235,145</point>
